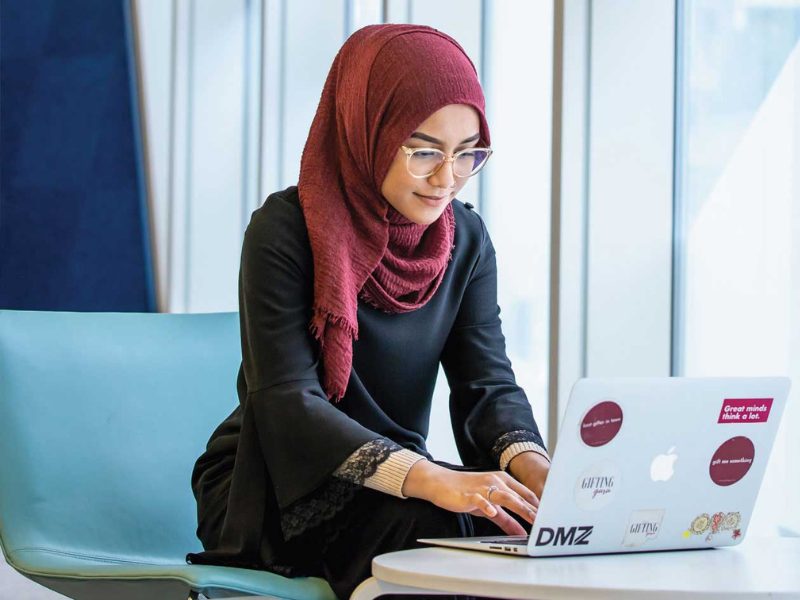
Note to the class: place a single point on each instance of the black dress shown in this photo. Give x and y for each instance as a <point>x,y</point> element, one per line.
<point>264,487</point>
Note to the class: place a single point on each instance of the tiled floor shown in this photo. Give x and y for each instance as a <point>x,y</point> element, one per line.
<point>14,586</point>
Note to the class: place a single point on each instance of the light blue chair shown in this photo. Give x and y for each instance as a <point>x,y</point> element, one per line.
<point>102,416</point>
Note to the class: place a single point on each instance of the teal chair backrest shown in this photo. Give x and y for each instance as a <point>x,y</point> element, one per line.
<point>102,416</point>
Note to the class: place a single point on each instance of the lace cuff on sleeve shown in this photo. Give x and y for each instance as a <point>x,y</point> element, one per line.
<point>363,463</point>
<point>508,445</point>
<point>348,478</point>
<point>380,465</point>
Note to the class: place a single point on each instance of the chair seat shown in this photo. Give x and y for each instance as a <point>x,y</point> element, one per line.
<point>38,562</point>
<point>103,416</point>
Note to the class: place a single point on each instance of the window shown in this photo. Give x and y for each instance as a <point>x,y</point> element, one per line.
<point>511,45</point>
<point>737,300</point>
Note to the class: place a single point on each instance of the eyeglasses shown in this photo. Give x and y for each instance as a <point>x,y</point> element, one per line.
<point>424,162</point>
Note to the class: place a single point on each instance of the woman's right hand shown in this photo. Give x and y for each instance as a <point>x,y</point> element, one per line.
<point>460,491</point>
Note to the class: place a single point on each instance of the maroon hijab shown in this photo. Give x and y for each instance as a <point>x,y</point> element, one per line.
<point>384,82</point>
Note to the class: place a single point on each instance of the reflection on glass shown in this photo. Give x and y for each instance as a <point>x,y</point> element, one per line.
<point>738,235</point>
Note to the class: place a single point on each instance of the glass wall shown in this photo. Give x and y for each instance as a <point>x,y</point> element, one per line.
<point>737,265</point>
<point>514,58</point>
<point>516,192</point>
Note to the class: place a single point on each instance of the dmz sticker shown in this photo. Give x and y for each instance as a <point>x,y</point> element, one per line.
<point>597,486</point>
<point>714,524</point>
<point>564,536</point>
<point>642,527</point>
<point>745,410</point>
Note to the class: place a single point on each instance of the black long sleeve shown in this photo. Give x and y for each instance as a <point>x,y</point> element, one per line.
<point>303,436</point>
<point>486,404</point>
<point>267,472</point>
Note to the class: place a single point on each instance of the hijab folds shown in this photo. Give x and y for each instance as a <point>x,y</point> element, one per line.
<point>384,82</point>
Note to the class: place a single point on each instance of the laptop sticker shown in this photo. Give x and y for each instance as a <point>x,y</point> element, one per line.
<point>732,461</point>
<point>714,524</point>
<point>643,526</point>
<point>745,410</point>
<point>597,486</point>
<point>577,535</point>
<point>601,423</point>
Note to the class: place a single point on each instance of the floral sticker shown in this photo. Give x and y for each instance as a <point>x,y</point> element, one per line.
<point>713,524</point>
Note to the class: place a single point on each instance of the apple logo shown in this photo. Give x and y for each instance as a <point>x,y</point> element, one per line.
<point>663,466</point>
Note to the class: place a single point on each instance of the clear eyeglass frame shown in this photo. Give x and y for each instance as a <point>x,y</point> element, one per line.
<point>409,152</point>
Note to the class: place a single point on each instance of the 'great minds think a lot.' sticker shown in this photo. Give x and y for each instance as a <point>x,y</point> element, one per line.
<point>745,410</point>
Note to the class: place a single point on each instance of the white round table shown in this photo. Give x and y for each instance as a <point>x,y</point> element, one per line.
<point>757,568</point>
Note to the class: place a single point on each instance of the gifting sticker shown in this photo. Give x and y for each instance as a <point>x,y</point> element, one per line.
<point>643,526</point>
<point>745,410</point>
<point>732,461</point>
<point>601,423</point>
<point>597,486</point>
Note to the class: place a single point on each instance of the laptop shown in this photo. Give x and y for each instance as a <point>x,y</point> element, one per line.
<point>648,464</point>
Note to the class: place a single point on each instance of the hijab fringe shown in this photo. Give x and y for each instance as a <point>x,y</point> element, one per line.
<point>323,317</point>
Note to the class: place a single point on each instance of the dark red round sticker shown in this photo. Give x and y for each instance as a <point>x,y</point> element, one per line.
<point>732,461</point>
<point>601,424</point>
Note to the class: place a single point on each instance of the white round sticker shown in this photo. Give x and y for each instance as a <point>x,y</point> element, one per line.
<point>597,486</point>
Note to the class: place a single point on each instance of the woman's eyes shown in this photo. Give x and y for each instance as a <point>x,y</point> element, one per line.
<point>430,153</point>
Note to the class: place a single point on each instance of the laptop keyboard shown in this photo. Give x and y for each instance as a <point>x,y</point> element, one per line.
<point>511,541</point>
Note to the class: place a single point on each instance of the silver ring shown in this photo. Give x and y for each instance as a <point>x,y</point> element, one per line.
<point>492,488</point>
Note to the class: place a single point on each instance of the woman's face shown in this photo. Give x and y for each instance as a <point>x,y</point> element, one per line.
<point>450,129</point>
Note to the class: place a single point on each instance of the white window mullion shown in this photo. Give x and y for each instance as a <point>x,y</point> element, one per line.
<point>568,248</point>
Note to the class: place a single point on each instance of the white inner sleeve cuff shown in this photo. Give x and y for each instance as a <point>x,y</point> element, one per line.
<point>519,448</point>
<point>391,473</point>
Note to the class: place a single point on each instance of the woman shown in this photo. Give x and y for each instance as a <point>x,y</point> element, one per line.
<point>353,287</point>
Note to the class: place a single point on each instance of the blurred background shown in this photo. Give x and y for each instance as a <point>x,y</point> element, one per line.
<point>644,196</point>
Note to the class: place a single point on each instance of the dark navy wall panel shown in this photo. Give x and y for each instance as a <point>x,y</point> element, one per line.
<point>73,210</point>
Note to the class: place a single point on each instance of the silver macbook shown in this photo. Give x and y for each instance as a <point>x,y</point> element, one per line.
<point>652,464</point>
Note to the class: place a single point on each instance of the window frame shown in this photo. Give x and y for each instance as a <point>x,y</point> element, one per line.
<point>613,307</point>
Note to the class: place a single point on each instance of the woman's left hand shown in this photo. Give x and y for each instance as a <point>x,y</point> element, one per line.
<point>530,469</point>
